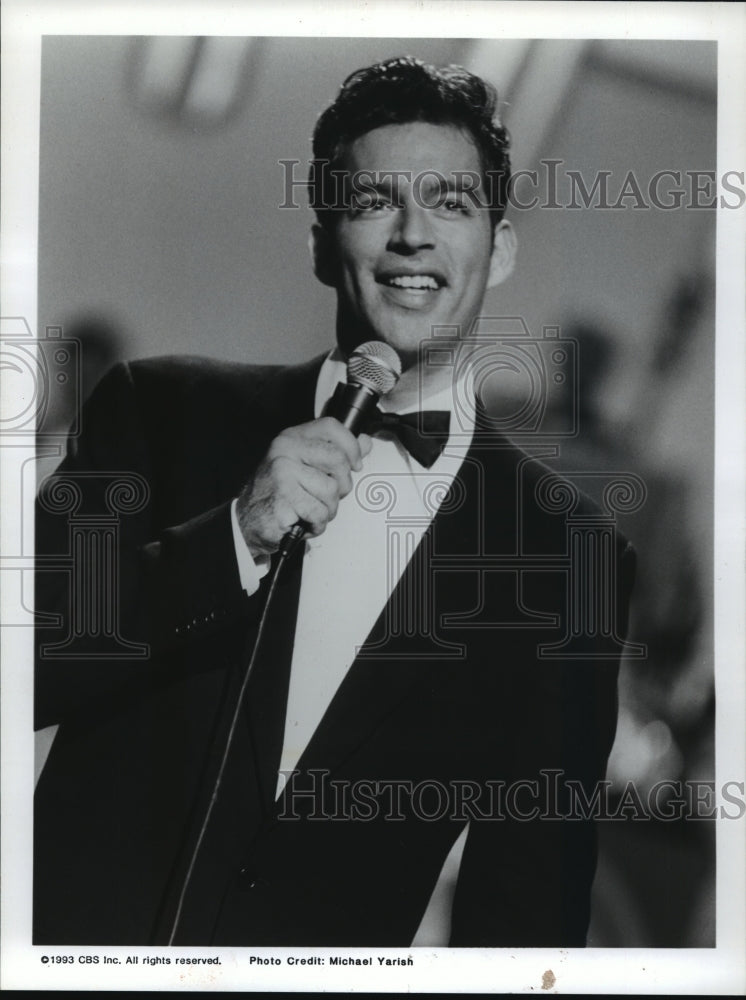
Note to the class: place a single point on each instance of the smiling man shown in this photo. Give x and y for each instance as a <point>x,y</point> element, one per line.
<point>399,713</point>
<point>419,250</point>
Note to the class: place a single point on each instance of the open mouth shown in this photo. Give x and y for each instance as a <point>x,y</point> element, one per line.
<point>422,282</point>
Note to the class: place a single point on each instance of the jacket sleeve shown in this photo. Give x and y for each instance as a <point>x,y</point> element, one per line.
<point>122,592</point>
<point>526,873</point>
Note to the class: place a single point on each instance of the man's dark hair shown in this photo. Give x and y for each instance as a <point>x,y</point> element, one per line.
<point>402,90</point>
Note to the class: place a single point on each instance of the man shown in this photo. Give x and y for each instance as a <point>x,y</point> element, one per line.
<point>398,660</point>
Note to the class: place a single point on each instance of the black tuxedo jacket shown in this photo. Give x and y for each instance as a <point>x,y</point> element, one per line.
<point>464,708</point>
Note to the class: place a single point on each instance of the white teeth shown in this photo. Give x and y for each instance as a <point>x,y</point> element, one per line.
<point>413,281</point>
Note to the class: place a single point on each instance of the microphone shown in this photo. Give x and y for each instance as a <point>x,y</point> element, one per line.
<point>373,369</point>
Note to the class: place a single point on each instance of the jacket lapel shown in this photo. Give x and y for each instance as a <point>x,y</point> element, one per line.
<point>279,398</point>
<point>389,665</point>
<point>267,692</point>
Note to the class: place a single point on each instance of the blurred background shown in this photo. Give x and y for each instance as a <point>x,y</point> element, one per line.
<point>160,232</point>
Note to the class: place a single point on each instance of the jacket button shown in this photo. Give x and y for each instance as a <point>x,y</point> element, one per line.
<point>247,879</point>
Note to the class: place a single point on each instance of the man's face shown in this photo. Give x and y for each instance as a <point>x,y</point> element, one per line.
<point>410,253</point>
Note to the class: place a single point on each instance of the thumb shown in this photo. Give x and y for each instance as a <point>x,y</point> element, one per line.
<point>366,443</point>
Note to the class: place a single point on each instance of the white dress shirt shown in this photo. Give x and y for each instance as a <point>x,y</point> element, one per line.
<point>348,574</point>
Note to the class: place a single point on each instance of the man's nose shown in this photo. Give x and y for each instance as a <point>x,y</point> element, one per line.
<point>413,229</point>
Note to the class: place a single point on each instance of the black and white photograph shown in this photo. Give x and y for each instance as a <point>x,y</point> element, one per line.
<point>373,479</point>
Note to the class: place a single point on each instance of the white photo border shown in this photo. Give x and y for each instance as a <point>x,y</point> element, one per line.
<point>721,970</point>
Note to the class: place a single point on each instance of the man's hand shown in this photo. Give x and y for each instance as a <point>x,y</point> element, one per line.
<point>303,476</point>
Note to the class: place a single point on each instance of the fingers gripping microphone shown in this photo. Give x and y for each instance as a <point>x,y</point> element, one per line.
<point>373,369</point>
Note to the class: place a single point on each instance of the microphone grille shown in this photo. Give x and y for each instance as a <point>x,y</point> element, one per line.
<point>375,365</point>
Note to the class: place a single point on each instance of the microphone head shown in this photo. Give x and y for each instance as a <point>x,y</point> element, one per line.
<point>375,365</point>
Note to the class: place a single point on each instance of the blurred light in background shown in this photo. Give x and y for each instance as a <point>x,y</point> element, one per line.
<point>532,77</point>
<point>197,81</point>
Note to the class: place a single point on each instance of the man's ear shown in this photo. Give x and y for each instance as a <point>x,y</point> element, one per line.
<point>504,249</point>
<point>323,255</point>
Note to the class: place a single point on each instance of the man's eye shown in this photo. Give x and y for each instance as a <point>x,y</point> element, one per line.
<point>455,205</point>
<point>372,204</point>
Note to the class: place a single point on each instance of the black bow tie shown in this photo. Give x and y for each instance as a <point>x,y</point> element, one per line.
<point>424,434</point>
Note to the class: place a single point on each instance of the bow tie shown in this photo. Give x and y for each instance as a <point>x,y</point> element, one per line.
<point>424,434</point>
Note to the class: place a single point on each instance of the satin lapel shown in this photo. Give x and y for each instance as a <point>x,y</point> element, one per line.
<point>284,398</point>
<point>267,693</point>
<point>386,670</point>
